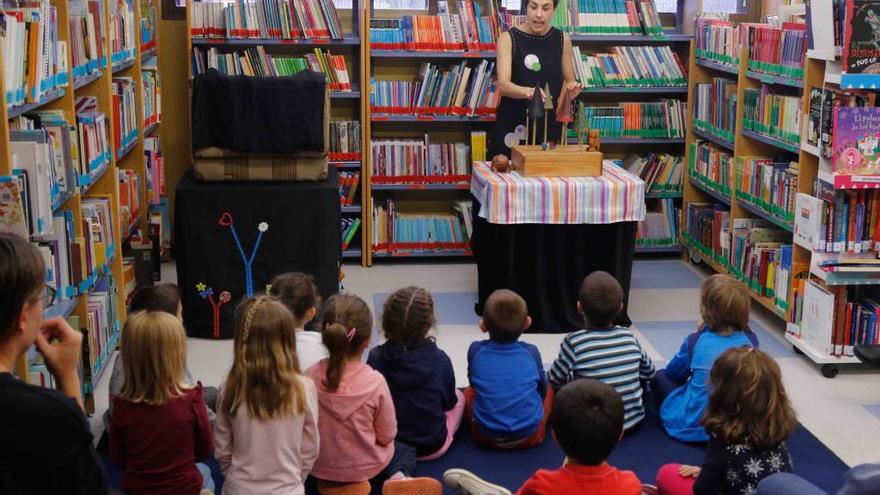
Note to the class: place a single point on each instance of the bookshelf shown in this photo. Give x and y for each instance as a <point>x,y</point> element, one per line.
<point>344,105</point>
<point>96,190</point>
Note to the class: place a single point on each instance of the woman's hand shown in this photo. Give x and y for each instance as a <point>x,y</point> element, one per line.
<point>574,88</point>
<point>688,471</point>
<point>531,91</point>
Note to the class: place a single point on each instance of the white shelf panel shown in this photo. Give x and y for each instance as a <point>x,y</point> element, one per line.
<point>814,355</point>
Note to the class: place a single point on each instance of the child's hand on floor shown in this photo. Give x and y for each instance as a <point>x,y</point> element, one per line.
<point>689,471</point>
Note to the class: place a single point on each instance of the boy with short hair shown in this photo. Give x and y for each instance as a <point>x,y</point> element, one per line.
<point>587,423</point>
<point>604,351</point>
<point>505,400</point>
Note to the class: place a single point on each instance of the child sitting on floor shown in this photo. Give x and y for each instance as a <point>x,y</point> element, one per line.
<point>160,427</point>
<point>300,294</point>
<point>356,420</point>
<point>748,419</point>
<point>587,423</point>
<point>507,402</point>
<point>724,308</point>
<point>267,423</point>
<point>604,351</point>
<point>420,376</point>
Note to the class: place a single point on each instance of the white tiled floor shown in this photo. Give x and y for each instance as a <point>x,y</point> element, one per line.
<point>833,410</point>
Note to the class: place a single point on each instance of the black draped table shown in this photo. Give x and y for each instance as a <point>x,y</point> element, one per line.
<point>231,238</point>
<point>541,236</point>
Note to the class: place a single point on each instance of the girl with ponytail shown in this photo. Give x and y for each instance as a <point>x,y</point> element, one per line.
<point>356,422</point>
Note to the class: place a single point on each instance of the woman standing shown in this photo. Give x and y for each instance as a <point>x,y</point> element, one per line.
<point>531,54</point>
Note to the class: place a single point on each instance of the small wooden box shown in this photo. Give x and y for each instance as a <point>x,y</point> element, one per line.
<point>562,161</point>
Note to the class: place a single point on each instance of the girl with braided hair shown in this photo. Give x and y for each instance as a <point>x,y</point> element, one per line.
<point>420,376</point>
<point>266,434</point>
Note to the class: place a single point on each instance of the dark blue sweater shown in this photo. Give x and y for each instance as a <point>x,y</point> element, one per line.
<point>422,384</point>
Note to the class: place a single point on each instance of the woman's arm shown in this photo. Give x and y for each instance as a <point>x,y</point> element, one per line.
<point>503,66</point>
<point>571,84</point>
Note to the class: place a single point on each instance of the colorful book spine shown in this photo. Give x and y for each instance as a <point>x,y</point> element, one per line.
<point>712,166</point>
<point>151,100</point>
<point>266,19</point>
<point>638,120</point>
<point>662,172</point>
<point>348,186</point>
<point>717,40</point>
<point>87,37</point>
<point>345,140</point>
<point>122,31</point>
<point>465,31</point>
<point>849,219</point>
<point>777,50</point>
<point>613,17</point>
<point>715,108</point>
<point>706,229</point>
<point>629,67</point>
<point>125,122</point>
<point>419,161</point>
<point>773,115</point>
<point>349,227</point>
<point>769,185</point>
<point>399,233</point>
<point>660,226</point>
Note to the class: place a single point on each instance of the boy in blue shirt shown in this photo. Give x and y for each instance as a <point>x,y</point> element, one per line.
<point>505,402</point>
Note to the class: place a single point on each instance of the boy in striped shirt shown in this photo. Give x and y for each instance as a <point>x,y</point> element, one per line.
<point>604,351</point>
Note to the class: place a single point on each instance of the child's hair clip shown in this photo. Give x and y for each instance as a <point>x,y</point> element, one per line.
<point>350,335</point>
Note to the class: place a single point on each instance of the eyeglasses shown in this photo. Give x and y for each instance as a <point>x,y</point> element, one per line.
<point>48,296</point>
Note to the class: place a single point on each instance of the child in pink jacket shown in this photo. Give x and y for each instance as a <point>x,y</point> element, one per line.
<point>356,421</point>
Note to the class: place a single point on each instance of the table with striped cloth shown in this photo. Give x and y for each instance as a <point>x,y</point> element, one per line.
<point>509,198</point>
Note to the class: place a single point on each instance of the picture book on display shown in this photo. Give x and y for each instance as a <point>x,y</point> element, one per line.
<point>861,49</point>
<point>856,142</point>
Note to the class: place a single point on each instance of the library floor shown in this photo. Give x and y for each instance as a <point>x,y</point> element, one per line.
<point>844,412</point>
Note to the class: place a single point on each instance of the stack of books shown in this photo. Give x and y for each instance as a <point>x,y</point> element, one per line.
<point>705,229</point>
<point>718,41</point>
<point>345,140</point>
<point>256,62</point>
<point>35,60</point>
<point>457,90</point>
<point>86,37</point>
<point>778,50</point>
<point>774,115</point>
<point>419,161</point>
<point>125,122</point>
<point>94,142</point>
<point>629,67</point>
<point>769,185</point>
<point>611,17</point>
<point>662,172</point>
<point>348,184</point>
<point>122,31</point>
<point>152,101</point>
<point>638,120</point>
<point>274,19</point>
<point>715,107</point>
<point>712,166</point>
<point>660,227</point>
<point>466,30</point>
<point>401,233</point>
<point>760,256</point>
<point>101,332</point>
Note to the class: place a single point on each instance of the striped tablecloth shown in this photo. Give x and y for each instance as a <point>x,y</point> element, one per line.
<point>616,196</point>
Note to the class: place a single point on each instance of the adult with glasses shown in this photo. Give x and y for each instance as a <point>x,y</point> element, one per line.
<point>46,446</point>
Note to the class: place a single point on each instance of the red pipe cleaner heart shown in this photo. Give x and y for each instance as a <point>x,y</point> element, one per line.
<point>226,219</point>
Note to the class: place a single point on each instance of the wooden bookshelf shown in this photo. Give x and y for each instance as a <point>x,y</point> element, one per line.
<point>103,184</point>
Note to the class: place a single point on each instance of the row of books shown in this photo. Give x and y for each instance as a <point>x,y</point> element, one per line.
<point>35,59</point>
<point>637,120</point>
<point>465,30</point>
<point>712,166</point>
<point>418,161</point>
<point>774,115</point>
<point>779,50</point>
<point>456,90</point>
<point>345,140</point>
<point>125,119</point>
<point>256,62</point>
<point>768,184</point>
<point>130,201</point>
<point>151,101</point>
<point>761,256</point>
<point>661,172</point>
<point>703,227</point>
<point>838,221</point>
<point>834,320</point>
<point>608,17</point>
<point>102,330</point>
<point>715,107</point>
<point>629,66</point>
<point>717,40</point>
<point>823,101</point>
<point>122,30</point>
<point>87,36</point>
<point>154,164</point>
<point>348,186</point>
<point>660,226</point>
<point>275,19</point>
<point>349,227</point>
<point>396,232</point>
<point>148,25</point>
<point>94,138</point>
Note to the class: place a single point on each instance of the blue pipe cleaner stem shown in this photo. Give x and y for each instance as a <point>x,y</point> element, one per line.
<point>248,275</point>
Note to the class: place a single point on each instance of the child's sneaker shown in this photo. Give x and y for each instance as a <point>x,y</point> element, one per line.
<point>467,483</point>
<point>412,486</point>
<point>335,488</point>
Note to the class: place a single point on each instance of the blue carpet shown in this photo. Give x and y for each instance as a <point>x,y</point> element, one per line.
<point>642,451</point>
<point>663,275</point>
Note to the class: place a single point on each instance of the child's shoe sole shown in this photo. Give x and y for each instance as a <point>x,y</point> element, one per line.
<point>412,486</point>
<point>334,488</point>
<point>465,482</point>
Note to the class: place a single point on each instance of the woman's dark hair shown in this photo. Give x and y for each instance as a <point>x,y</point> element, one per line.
<point>525,5</point>
<point>297,291</point>
<point>408,315</point>
<point>22,276</point>
<point>162,297</point>
<point>347,325</point>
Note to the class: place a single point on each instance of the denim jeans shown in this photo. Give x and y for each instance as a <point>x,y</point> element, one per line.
<point>207,479</point>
